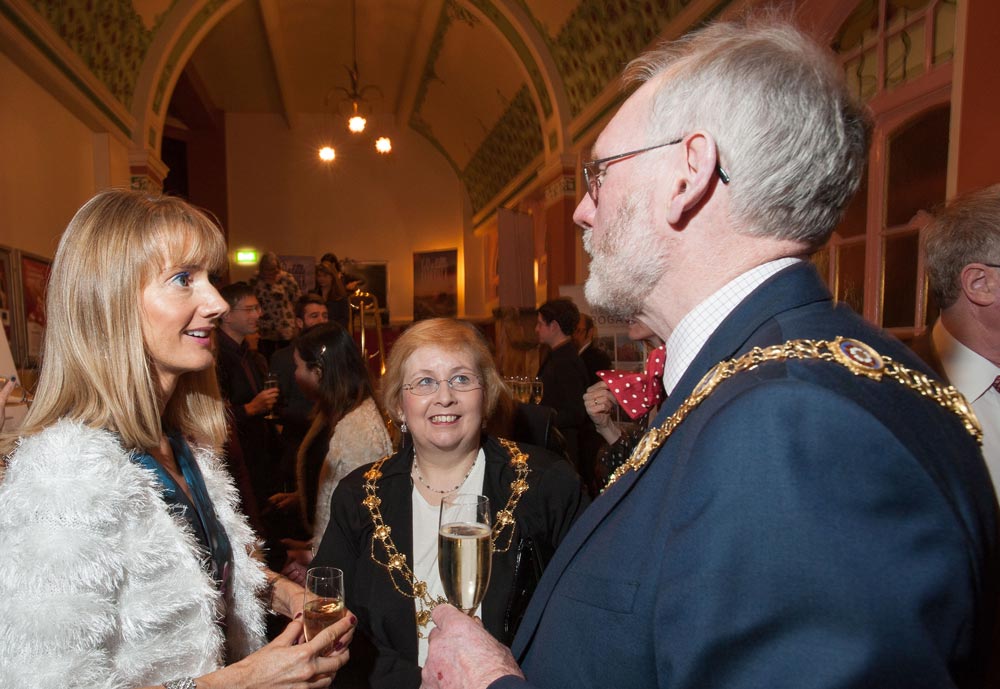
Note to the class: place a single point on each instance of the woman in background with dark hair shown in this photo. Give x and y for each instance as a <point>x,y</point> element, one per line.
<point>330,287</point>
<point>348,429</point>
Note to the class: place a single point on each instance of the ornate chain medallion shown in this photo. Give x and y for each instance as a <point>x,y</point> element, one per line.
<point>400,574</point>
<point>856,356</point>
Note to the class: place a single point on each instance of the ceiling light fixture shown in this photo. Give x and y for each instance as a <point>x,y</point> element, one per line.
<point>358,96</point>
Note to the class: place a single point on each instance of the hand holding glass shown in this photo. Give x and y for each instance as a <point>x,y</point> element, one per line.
<point>324,599</point>
<point>271,383</point>
<point>465,550</point>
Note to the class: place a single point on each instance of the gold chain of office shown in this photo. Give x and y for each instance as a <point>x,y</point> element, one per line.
<point>400,574</point>
<point>856,356</point>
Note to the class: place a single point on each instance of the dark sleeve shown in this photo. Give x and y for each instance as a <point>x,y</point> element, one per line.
<point>821,545</point>
<point>347,545</point>
<point>562,498</point>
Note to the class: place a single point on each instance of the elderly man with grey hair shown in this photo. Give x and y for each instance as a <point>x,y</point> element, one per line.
<point>810,509</point>
<point>962,251</point>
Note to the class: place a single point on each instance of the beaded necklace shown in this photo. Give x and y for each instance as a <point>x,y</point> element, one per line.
<point>420,479</point>
<point>400,574</point>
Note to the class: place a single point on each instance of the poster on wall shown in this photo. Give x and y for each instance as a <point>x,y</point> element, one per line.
<point>7,300</point>
<point>435,284</point>
<point>374,279</point>
<point>34,278</point>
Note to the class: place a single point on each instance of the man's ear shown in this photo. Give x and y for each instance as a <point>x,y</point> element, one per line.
<point>696,175</point>
<point>980,284</point>
<point>299,324</point>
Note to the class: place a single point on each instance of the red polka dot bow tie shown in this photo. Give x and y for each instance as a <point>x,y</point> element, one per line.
<point>637,393</point>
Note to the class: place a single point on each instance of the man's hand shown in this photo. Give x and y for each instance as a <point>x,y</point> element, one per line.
<point>462,655</point>
<point>263,402</point>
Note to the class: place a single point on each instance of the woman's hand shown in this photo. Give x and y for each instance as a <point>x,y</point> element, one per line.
<point>284,664</point>
<point>286,595</point>
<point>599,403</point>
<point>298,556</point>
<point>283,501</point>
<point>4,394</point>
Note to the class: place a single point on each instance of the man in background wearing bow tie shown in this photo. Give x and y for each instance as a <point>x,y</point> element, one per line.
<point>806,511</point>
<point>962,254</point>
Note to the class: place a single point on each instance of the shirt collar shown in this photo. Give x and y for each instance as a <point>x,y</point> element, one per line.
<point>971,373</point>
<point>697,326</point>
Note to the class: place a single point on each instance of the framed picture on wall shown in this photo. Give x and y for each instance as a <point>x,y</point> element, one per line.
<point>9,301</point>
<point>34,272</point>
<point>435,284</point>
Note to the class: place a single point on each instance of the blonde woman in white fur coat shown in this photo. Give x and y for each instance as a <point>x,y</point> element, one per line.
<point>124,559</point>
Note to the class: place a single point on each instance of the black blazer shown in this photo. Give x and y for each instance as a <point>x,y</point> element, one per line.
<point>384,650</point>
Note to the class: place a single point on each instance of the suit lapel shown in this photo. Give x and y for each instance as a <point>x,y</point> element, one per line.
<point>792,287</point>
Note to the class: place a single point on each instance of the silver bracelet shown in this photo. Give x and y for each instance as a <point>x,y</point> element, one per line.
<point>182,683</point>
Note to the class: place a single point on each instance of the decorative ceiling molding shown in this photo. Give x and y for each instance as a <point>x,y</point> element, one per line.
<point>178,34</point>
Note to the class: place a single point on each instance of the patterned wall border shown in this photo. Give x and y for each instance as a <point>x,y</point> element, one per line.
<point>43,47</point>
<point>515,40</point>
<point>508,149</point>
<point>108,36</point>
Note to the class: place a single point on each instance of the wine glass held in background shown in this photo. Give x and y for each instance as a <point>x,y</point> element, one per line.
<point>324,599</point>
<point>465,550</point>
<point>271,383</point>
<point>537,390</point>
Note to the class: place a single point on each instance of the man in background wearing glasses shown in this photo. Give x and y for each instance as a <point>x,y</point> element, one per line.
<point>962,255</point>
<point>808,515</point>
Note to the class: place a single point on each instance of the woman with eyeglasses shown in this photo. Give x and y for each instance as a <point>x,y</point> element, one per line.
<point>126,559</point>
<point>441,385</point>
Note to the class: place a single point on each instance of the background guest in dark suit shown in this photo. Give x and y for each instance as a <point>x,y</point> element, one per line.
<point>241,373</point>
<point>962,251</point>
<point>808,515</point>
<point>594,358</point>
<point>564,377</point>
<point>440,384</point>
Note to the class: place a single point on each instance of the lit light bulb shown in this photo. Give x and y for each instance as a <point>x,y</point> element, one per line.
<point>383,145</point>
<point>327,154</point>
<point>356,124</point>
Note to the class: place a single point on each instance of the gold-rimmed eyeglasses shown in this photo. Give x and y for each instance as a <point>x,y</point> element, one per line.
<point>594,170</point>
<point>460,382</point>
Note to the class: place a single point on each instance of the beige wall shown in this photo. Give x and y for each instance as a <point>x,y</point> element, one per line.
<point>362,206</point>
<point>51,163</point>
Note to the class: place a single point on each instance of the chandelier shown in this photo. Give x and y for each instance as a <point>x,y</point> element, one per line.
<point>355,99</point>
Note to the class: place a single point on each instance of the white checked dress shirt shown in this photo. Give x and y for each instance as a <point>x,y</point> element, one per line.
<point>697,326</point>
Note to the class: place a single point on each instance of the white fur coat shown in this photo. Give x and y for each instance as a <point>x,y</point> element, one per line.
<point>360,438</point>
<point>100,585</point>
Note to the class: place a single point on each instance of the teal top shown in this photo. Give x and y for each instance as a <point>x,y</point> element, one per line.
<point>198,512</point>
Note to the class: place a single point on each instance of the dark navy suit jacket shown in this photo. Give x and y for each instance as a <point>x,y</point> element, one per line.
<point>803,527</point>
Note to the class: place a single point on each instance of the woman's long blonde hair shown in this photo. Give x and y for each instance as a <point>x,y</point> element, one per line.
<point>95,367</point>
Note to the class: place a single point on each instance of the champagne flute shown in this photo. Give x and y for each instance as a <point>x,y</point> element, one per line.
<point>271,382</point>
<point>465,550</point>
<point>323,599</point>
<point>537,390</point>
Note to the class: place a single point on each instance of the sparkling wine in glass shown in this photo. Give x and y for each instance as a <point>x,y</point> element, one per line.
<point>324,599</point>
<point>537,390</point>
<point>465,551</point>
<point>271,382</point>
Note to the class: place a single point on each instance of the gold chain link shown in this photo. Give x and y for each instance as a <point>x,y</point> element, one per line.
<point>855,355</point>
<point>395,562</point>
